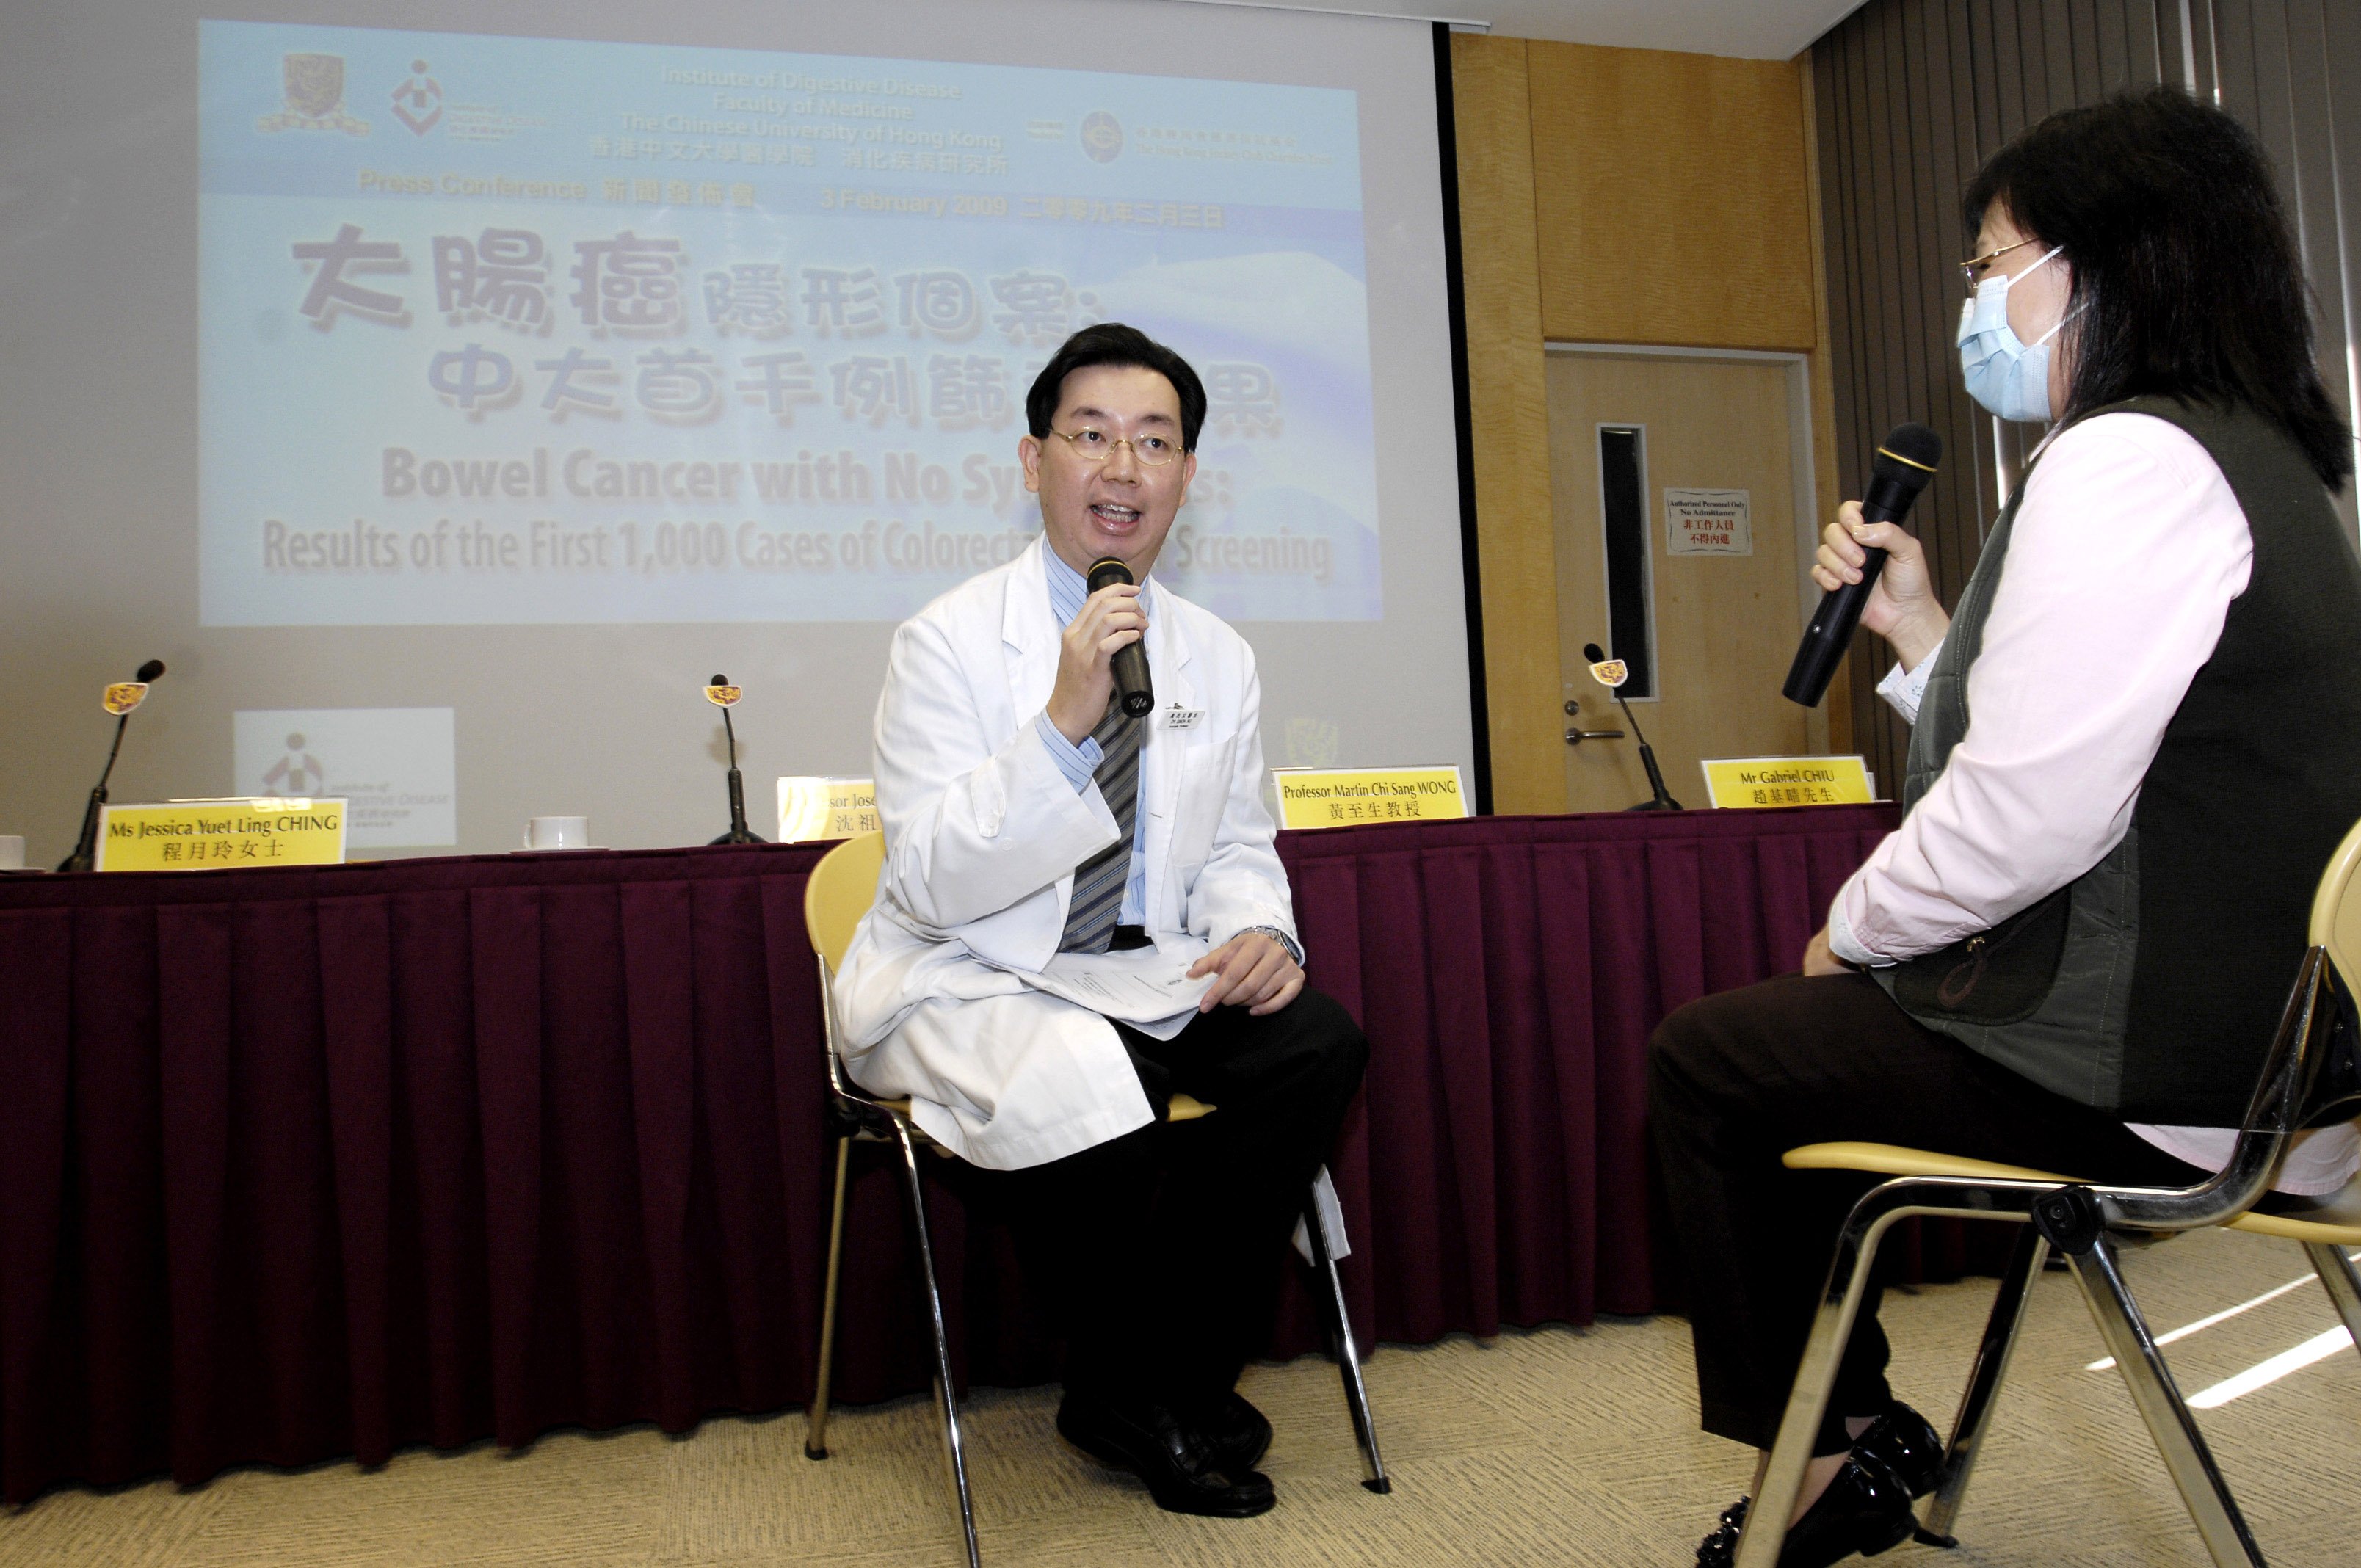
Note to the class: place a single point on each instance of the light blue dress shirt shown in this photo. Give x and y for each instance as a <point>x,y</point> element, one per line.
<point>1068,590</point>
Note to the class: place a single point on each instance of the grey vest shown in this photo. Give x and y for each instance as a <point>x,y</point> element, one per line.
<point>2150,985</point>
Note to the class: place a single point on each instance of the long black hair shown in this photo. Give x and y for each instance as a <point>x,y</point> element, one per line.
<point>2185,269</point>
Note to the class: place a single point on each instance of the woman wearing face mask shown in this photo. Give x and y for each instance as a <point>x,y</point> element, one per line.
<point>2136,739</point>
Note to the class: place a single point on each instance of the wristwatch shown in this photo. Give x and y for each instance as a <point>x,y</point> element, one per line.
<point>1282,939</point>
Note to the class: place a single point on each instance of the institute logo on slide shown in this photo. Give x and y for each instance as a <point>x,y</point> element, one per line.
<point>1102,137</point>
<point>315,97</point>
<point>395,768</point>
<point>296,772</point>
<point>418,101</point>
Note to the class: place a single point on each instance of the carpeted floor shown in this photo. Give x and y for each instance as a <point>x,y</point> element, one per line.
<point>1553,1446</point>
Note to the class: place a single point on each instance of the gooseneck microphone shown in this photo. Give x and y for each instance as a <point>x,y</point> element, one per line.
<point>723,696</point>
<point>1132,686</point>
<point>1610,675</point>
<point>1904,462</point>
<point>119,701</point>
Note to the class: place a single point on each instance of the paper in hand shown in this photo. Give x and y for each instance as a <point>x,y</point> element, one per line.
<point>1143,987</point>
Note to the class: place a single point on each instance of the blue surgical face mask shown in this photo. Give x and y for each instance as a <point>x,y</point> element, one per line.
<point>2004,374</point>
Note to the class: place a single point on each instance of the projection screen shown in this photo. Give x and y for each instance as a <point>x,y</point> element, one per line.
<point>445,392</point>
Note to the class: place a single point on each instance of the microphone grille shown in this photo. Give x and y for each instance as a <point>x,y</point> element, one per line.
<point>1107,569</point>
<point>719,681</point>
<point>1908,456</point>
<point>150,669</point>
<point>1593,652</point>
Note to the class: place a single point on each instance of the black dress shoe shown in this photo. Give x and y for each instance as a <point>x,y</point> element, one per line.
<point>1178,1465</point>
<point>1236,1434</point>
<point>1856,1513</point>
<point>1719,1548</point>
<point>1902,1441</point>
<point>1866,1509</point>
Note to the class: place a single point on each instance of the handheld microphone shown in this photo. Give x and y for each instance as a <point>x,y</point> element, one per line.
<point>1611,673</point>
<point>1132,686</point>
<point>118,699</point>
<point>723,696</point>
<point>1905,463</point>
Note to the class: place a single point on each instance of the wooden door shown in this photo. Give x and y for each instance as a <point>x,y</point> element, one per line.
<point>1725,624</point>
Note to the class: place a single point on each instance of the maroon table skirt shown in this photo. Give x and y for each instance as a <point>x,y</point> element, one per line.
<point>302,1163</point>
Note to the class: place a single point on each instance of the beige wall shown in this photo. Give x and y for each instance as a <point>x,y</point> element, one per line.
<point>1612,195</point>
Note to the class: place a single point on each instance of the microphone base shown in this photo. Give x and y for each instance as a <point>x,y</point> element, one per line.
<point>739,833</point>
<point>86,850</point>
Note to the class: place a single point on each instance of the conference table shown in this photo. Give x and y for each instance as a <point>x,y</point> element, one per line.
<point>306,1162</point>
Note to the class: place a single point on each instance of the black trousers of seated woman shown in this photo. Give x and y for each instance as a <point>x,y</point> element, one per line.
<point>1736,1080</point>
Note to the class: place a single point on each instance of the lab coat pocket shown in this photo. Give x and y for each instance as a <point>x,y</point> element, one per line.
<point>1197,810</point>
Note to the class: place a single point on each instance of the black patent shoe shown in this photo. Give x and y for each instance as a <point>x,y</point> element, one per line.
<point>1719,1550</point>
<point>1904,1442</point>
<point>1866,1509</point>
<point>1235,1433</point>
<point>1178,1465</point>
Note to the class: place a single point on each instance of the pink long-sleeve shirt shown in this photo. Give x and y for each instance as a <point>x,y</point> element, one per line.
<point>2127,552</point>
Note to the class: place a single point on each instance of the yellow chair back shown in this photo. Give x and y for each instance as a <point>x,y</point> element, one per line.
<point>2337,909</point>
<point>842,887</point>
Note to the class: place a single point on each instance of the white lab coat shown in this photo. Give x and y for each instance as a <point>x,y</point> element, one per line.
<point>983,834</point>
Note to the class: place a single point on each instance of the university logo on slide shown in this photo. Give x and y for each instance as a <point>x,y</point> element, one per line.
<point>1102,137</point>
<point>315,97</point>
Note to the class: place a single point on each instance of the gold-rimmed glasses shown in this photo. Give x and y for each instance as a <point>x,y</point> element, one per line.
<point>1093,445</point>
<point>1973,271</point>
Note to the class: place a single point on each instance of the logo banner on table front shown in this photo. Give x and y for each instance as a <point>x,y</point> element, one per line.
<point>1341,797</point>
<point>1786,781</point>
<point>219,835</point>
<point>506,330</point>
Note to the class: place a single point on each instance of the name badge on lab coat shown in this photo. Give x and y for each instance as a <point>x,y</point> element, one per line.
<point>1179,718</point>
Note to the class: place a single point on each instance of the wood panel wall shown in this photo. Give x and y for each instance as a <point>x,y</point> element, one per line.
<point>1610,196</point>
<point>1672,198</point>
<point>1516,549</point>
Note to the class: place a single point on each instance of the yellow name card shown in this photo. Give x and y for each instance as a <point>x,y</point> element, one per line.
<point>826,808</point>
<point>1786,781</point>
<point>210,835</point>
<point>1342,797</point>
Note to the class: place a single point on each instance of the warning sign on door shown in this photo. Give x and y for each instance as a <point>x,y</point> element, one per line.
<point>1707,523</point>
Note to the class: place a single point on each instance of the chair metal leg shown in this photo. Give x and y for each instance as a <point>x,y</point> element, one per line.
<point>2186,1458</point>
<point>1349,1357</point>
<point>1848,1273</point>
<point>2341,1280</point>
<point>945,1397</point>
<point>816,1430</point>
<point>1983,1386</point>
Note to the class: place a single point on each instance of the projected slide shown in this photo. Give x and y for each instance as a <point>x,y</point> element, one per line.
<point>514,330</point>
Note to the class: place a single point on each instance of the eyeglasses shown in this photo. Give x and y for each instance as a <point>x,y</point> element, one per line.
<point>1094,445</point>
<point>1973,271</point>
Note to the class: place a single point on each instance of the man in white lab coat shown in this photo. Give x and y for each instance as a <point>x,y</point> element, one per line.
<point>1040,845</point>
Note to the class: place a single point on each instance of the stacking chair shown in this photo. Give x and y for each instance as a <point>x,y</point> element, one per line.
<point>841,888</point>
<point>2088,1224</point>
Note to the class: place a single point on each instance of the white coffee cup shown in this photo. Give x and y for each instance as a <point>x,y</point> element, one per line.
<point>12,851</point>
<point>557,833</point>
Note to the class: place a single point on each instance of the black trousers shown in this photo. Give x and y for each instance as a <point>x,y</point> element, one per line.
<point>1734,1080</point>
<point>1159,1250</point>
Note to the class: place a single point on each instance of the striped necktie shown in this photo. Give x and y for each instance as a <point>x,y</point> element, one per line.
<point>1098,882</point>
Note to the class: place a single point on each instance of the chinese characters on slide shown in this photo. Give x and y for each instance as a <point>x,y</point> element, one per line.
<point>502,330</point>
